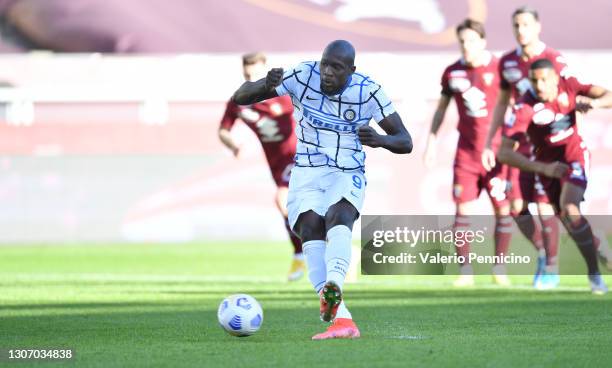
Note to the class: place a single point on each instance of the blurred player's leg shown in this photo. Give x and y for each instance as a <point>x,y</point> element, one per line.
<point>496,186</point>
<point>465,192</point>
<point>503,235</point>
<point>549,277</point>
<point>521,192</point>
<point>298,266</point>
<point>603,248</point>
<point>529,227</point>
<point>549,224</point>
<point>580,230</point>
<point>550,239</point>
<point>466,272</point>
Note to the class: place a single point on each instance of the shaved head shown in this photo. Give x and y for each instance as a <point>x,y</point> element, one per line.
<point>343,50</point>
<point>337,65</point>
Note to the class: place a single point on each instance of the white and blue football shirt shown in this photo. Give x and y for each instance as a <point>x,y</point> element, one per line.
<point>327,126</point>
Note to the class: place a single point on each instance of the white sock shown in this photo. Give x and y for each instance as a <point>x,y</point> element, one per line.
<point>314,251</point>
<point>338,253</point>
<point>298,256</point>
<point>343,312</point>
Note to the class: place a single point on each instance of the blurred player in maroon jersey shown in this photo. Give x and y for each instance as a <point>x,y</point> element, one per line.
<point>546,115</point>
<point>524,188</point>
<point>272,121</point>
<point>473,83</point>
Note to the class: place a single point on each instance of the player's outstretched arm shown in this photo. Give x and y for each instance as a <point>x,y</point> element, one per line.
<point>397,140</point>
<point>488,156</point>
<point>509,156</point>
<point>429,157</point>
<point>263,89</point>
<point>597,97</point>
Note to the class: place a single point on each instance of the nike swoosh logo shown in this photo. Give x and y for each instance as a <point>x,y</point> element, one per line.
<point>311,98</point>
<point>355,195</point>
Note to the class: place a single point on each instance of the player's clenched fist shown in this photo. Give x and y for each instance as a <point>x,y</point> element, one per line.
<point>274,78</point>
<point>584,104</point>
<point>369,137</point>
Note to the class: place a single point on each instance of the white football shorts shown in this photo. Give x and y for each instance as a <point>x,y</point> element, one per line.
<point>318,188</point>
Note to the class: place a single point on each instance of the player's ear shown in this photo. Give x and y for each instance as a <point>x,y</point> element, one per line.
<point>353,68</point>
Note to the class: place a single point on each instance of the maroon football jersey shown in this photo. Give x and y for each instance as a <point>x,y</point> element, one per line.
<point>475,92</point>
<point>550,126</point>
<point>272,121</point>
<point>514,75</point>
<point>514,69</point>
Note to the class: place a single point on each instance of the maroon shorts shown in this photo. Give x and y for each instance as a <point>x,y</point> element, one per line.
<point>281,171</point>
<point>577,175</point>
<point>470,178</point>
<point>525,186</point>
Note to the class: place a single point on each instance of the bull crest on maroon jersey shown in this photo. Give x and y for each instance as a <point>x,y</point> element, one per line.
<point>563,99</point>
<point>488,78</point>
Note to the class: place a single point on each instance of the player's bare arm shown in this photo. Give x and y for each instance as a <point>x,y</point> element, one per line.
<point>597,97</point>
<point>263,89</point>
<point>508,155</point>
<point>226,138</point>
<point>397,139</point>
<point>488,156</point>
<point>430,148</point>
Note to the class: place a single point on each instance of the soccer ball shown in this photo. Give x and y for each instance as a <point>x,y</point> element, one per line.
<point>240,315</point>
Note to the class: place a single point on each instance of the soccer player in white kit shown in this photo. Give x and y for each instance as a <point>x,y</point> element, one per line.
<point>333,106</point>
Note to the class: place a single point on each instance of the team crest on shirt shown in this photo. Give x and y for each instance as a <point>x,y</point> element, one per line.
<point>276,109</point>
<point>488,78</point>
<point>563,99</point>
<point>349,114</point>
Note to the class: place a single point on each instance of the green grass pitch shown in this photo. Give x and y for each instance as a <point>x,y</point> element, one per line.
<point>155,306</point>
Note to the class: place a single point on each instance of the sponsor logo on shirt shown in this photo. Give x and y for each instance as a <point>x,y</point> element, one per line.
<point>458,73</point>
<point>512,74</point>
<point>543,117</point>
<point>510,63</point>
<point>318,123</point>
